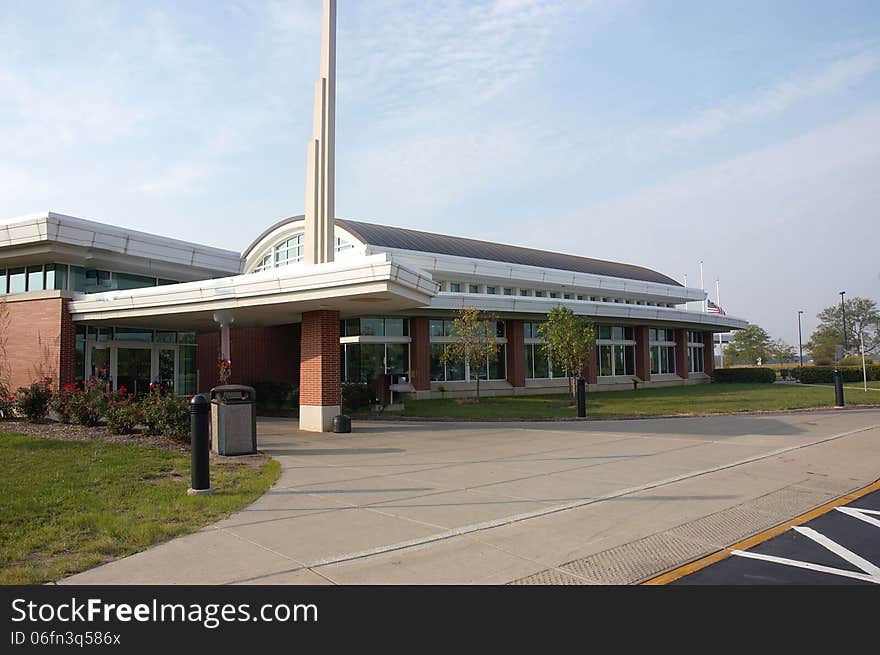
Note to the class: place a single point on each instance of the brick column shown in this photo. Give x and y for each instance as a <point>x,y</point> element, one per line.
<point>708,353</point>
<point>319,390</point>
<point>516,356</point>
<point>643,353</point>
<point>67,365</point>
<point>592,372</point>
<point>420,353</point>
<point>681,354</point>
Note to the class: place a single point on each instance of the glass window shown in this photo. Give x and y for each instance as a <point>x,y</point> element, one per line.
<point>554,294</point>
<point>437,370</point>
<point>56,276</point>
<point>163,282</point>
<point>289,251</point>
<point>539,294</point>
<point>133,334</point>
<point>581,297</point>
<point>2,281</point>
<point>374,327</point>
<point>473,288</point>
<point>187,376</point>
<point>396,327</point>
<point>508,291</point>
<point>605,332</point>
<point>568,296</point>
<point>166,337</point>
<point>435,327</point>
<point>542,366</point>
<point>492,290</point>
<point>97,280</point>
<point>77,279</point>
<point>455,287</point>
<point>397,358</point>
<point>79,365</point>
<point>523,292</point>
<point>128,281</point>
<point>35,278</point>
<point>17,280</point>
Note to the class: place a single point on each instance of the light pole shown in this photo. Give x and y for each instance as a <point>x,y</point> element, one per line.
<point>800,343</point>
<point>843,309</point>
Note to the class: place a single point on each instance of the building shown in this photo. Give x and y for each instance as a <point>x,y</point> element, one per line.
<point>316,300</point>
<point>84,299</point>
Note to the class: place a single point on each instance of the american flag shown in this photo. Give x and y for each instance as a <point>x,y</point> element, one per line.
<point>714,309</point>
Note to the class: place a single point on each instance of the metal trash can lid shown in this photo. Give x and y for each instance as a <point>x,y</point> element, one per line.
<point>233,393</point>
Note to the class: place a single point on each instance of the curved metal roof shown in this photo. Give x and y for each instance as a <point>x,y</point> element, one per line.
<point>385,236</point>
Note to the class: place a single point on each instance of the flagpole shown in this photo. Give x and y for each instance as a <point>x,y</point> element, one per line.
<point>720,344</point>
<point>687,305</point>
<point>703,287</point>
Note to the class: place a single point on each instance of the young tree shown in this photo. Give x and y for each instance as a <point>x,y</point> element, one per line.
<point>476,344</point>
<point>823,344</point>
<point>862,325</point>
<point>782,352</point>
<point>570,341</point>
<point>748,346</point>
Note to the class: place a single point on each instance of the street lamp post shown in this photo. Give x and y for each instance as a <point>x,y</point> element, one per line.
<point>800,339</point>
<point>843,310</point>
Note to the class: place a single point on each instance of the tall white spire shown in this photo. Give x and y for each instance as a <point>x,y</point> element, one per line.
<point>319,243</point>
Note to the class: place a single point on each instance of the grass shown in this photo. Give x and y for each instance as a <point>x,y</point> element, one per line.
<point>694,399</point>
<point>68,506</point>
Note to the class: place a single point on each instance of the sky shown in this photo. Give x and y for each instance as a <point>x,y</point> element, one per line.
<point>659,133</point>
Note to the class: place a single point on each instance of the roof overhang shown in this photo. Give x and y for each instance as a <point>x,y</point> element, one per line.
<point>354,287</point>
<point>38,238</point>
<point>619,312</point>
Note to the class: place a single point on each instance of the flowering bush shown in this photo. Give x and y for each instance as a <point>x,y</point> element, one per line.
<point>123,415</point>
<point>88,406</point>
<point>7,403</point>
<point>224,370</point>
<point>61,401</point>
<point>166,414</point>
<point>33,400</point>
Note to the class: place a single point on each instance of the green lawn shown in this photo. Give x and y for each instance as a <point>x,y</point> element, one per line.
<point>67,506</point>
<point>694,399</point>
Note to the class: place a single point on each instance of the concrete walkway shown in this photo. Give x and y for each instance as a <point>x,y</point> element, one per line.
<point>530,503</point>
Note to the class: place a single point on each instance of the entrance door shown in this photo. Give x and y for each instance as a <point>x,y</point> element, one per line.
<point>98,362</point>
<point>133,368</point>
<point>166,367</point>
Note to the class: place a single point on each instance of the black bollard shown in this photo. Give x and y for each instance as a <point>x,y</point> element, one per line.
<point>838,388</point>
<point>582,397</point>
<point>199,414</point>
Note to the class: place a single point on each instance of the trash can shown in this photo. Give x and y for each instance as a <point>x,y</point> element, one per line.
<point>233,420</point>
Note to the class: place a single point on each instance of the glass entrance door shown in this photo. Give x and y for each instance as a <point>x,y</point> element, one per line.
<point>133,368</point>
<point>98,362</point>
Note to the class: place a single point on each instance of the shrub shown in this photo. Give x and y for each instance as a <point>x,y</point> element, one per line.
<point>747,374</point>
<point>88,405</point>
<point>851,360</point>
<point>356,395</point>
<point>123,415</point>
<point>822,361</point>
<point>270,394</point>
<point>7,403</point>
<point>33,400</point>
<point>166,414</point>
<point>825,374</point>
<point>61,402</point>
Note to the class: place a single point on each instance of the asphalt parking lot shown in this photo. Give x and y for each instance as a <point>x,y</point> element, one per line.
<point>841,547</point>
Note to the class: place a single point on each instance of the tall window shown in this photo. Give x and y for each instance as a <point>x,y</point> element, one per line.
<point>616,351</point>
<point>662,343</point>
<point>538,365</point>
<point>696,363</point>
<point>373,346</point>
<point>442,332</point>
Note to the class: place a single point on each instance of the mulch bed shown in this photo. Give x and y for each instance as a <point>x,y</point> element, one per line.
<point>69,432</point>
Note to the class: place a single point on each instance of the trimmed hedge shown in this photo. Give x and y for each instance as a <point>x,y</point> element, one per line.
<point>825,374</point>
<point>749,374</point>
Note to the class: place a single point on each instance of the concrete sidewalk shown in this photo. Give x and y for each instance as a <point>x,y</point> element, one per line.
<point>531,503</point>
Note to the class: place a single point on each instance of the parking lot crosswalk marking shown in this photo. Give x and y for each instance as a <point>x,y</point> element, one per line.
<point>808,566</point>
<point>861,514</point>
<point>837,549</point>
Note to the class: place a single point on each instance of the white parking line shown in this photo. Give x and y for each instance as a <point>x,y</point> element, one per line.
<point>808,565</point>
<point>839,550</point>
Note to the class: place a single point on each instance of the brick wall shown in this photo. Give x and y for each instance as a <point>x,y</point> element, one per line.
<point>643,353</point>
<point>420,353</point>
<point>258,354</point>
<point>319,359</point>
<point>516,356</point>
<point>34,331</point>
<point>681,353</point>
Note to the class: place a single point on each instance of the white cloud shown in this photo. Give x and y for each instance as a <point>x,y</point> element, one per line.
<point>846,71</point>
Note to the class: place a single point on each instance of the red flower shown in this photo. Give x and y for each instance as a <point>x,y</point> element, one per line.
<point>122,389</point>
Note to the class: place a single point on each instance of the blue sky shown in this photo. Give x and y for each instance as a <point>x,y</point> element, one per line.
<point>744,134</point>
